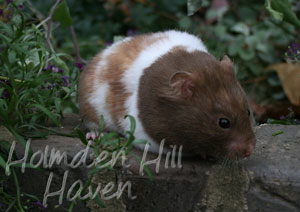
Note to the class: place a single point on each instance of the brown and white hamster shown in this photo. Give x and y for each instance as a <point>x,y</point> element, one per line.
<point>175,90</point>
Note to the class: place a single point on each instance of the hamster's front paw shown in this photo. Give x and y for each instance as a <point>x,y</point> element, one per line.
<point>92,135</point>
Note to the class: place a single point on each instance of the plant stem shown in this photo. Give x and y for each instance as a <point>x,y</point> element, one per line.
<point>76,46</point>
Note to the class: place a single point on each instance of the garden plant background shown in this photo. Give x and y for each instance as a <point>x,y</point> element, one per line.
<point>44,45</point>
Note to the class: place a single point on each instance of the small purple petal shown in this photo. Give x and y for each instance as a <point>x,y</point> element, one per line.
<point>40,205</point>
<point>131,32</point>
<point>49,67</point>
<point>5,94</point>
<point>61,70</point>
<point>282,117</point>
<point>55,69</point>
<point>21,6</point>
<point>2,206</point>
<point>79,65</point>
<point>8,1</point>
<point>65,81</point>
<point>7,82</point>
<point>49,87</point>
<point>1,12</point>
<point>295,47</point>
<point>109,43</point>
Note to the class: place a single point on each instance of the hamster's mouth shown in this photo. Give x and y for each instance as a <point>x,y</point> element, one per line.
<point>239,149</point>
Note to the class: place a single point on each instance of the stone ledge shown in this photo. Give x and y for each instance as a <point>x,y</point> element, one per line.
<point>268,181</point>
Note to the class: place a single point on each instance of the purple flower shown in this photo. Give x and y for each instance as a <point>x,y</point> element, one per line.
<point>21,6</point>
<point>132,32</point>
<point>79,65</point>
<point>49,87</point>
<point>65,81</point>
<point>282,117</point>
<point>109,43</point>
<point>293,49</point>
<point>8,1</point>
<point>39,204</point>
<point>49,67</point>
<point>55,69</point>
<point>5,93</point>
<point>2,207</point>
<point>1,12</point>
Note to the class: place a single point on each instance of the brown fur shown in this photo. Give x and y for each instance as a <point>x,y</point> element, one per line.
<point>194,122</point>
<point>117,63</point>
<point>86,88</point>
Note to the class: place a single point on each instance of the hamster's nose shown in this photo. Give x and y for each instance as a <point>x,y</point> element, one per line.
<point>239,149</point>
<point>248,150</point>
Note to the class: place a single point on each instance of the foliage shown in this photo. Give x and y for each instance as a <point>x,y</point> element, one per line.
<point>115,145</point>
<point>108,18</point>
<point>246,31</point>
<point>38,77</point>
<point>31,92</point>
<point>253,40</point>
<point>286,120</point>
<point>19,201</point>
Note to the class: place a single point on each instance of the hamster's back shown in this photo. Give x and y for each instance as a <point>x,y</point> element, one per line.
<point>109,84</point>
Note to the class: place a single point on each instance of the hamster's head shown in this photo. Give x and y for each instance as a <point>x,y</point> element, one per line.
<point>197,102</point>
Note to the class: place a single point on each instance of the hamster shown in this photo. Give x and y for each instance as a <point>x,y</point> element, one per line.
<point>176,91</point>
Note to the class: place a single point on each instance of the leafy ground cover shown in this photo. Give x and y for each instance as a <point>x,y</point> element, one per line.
<point>44,46</point>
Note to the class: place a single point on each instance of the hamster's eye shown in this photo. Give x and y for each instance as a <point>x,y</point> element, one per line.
<point>248,112</point>
<point>224,123</point>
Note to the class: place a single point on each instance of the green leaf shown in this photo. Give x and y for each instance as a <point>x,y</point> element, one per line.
<point>146,169</point>
<point>278,96</point>
<point>81,136</point>
<point>193,6</point>
<point>283,7</point>
<point>2,162</point>
<point>118,38</point>
<point>241,28</point>
<point>274,81</point>
<point>236,44</point>
<point>99,202</point>
<point>254,68</point>
<point>262,47</point>
<point>33,57</point>
<point>220,30</point>
<point>277,133</point>
<point>47,112</point>
<point>277,15</point>
<point>57,103</point>
<point>62,14</point>
<point>61,64</point>
<point>12,56</point>
<point>132,123</point>
<point>246,54</point>
<point>185,22</point>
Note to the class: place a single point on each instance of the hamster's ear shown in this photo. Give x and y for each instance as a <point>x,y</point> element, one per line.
<point>227,64</point>
<point>226,61</point>
<point>182,85</point>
